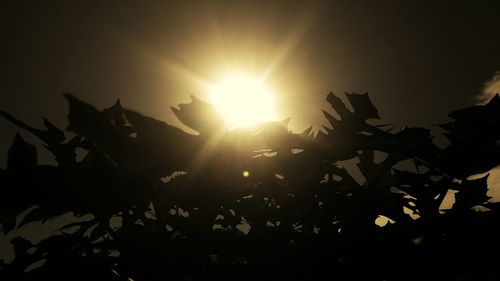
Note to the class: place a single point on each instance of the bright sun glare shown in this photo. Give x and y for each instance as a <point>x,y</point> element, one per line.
<point>243,100</point>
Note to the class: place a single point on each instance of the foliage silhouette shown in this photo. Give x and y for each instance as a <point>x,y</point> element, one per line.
<point>187,213</point>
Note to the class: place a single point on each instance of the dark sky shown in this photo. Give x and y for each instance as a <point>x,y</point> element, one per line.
<point>417,59</point>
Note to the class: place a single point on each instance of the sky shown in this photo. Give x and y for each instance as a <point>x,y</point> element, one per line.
<point>418,60</point>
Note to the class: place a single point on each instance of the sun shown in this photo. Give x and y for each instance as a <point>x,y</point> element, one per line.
<point>242,100</point>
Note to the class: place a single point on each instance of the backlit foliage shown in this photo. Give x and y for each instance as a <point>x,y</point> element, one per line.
<point>255,204</point>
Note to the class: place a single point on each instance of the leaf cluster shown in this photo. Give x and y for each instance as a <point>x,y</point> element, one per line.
<point>170,205</point>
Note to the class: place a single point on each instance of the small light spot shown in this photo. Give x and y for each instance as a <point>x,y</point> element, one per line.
<point>316,230</point>
<point>279,176</point>
<point>418,240</point>
<point>383,221</point>
<point>246,174</point>
<point>244,228</point>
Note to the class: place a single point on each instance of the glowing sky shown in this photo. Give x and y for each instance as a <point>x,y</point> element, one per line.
<point>417,59</point>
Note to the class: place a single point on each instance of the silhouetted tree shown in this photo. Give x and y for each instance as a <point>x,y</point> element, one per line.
<point>187,212</point>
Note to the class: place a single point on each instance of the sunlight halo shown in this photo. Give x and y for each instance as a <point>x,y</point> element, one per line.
<point>242,100</point>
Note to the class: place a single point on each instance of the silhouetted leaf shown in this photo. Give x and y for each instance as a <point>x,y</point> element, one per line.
<point>22,155</point>
<point>475,140</point>
<point>363,107</point>
<point>472,193</point>
<point>199,116</point>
